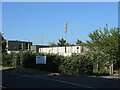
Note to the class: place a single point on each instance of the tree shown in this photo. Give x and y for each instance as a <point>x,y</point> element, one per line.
<point>78,42</point>
<point>104,45</point>
<point>3,43</point>
<point>62,42</point>
<point>53,44</point>
<point>67,44</point>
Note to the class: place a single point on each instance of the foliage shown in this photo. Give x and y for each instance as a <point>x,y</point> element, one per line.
<point>7,59</point>
<point>53,44</point>
<point>67,44</point>
<point>78,42</point>
<point>77,65</point>
<point>3,43</point>
<point>104,45</point>
<point>15,60</point>
<point>62,42</point>
<point>72,65</point>
<point>27,59</point>
<point>53,62</point>
<point>103,48</point>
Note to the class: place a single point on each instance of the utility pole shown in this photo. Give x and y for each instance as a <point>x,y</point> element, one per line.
<point>65,30</point>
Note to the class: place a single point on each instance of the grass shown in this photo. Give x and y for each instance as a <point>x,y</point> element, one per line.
<point>5,68</point>
<point>117,71</point>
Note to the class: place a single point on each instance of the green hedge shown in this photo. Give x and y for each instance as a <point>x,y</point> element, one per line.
<point>7,59</point>
<point>76,65</point>
<point>71,65</point>
<point>53,62</point>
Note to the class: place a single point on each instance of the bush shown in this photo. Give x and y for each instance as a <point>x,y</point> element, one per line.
<point>76,65</point>
<point>16,60</point>
<point>7,59</point>
<point>27,59</point>
<point>71,65</point>
<point>53,62</point>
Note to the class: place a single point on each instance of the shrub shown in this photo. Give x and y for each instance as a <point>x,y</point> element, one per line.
<point>76,65</point>
<point>16,60</point>
<point>27,59</point>
<point>71,65</point>
<point>7,59</point>
<point>53,62</point>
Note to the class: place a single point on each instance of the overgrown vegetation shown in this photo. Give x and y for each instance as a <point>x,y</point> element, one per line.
<point>102,49</point>
<point>3,43</point>
<point>72,65</point>
<point>77,65</point>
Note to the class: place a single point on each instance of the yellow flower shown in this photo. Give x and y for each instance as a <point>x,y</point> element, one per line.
<point>105,68</point>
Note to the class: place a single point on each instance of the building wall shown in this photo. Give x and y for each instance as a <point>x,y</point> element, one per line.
<point>61,50</point>
<point>35,48</point>
<point>13,45</point>
<point>17,46</point>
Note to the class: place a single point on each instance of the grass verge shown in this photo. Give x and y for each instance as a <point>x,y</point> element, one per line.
<point>5,68</point>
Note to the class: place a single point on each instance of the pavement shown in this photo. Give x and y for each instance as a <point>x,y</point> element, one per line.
<point>17,80</point>
<point>114,76</point>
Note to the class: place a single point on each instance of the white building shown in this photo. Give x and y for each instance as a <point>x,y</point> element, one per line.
<point>61,50</point>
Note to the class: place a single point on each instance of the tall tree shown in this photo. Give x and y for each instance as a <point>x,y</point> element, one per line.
<point>62,42</point>
<point>3,43</point>
<point>104,45</point>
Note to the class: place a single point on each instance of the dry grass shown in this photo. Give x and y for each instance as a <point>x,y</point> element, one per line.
<point>117,71</point>
<point>5,68</point>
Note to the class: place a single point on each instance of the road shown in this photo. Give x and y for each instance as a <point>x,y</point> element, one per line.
<point>15,80</point>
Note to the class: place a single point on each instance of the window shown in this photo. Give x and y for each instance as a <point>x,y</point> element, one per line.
<point>26,45</point>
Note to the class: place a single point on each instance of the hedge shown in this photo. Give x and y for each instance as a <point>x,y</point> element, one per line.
<point>71,65</point>
<point>76,65</point>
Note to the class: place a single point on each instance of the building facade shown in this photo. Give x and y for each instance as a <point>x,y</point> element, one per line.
<point>15,46</point>
<point>66,51</point>
<point>35,48</point>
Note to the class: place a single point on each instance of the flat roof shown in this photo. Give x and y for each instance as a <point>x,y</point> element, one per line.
<point>40,45</point>
<point>17,41</point>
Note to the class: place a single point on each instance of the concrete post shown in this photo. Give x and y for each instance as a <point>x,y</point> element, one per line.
<point>112,69</point>
<point>97,66</point>
<point>22,46</point>
<point>28,46</point>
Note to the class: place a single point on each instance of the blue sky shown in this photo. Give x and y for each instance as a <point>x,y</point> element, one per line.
<point>43,22</point>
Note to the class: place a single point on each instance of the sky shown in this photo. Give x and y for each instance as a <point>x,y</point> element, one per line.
<point>43,22</point>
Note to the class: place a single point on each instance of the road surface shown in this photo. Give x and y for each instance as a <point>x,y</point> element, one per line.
<point>16,80</point>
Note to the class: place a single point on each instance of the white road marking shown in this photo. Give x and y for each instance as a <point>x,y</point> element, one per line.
<point>60,81</point>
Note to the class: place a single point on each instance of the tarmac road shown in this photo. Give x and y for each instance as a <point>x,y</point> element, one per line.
<point>15,80</point>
